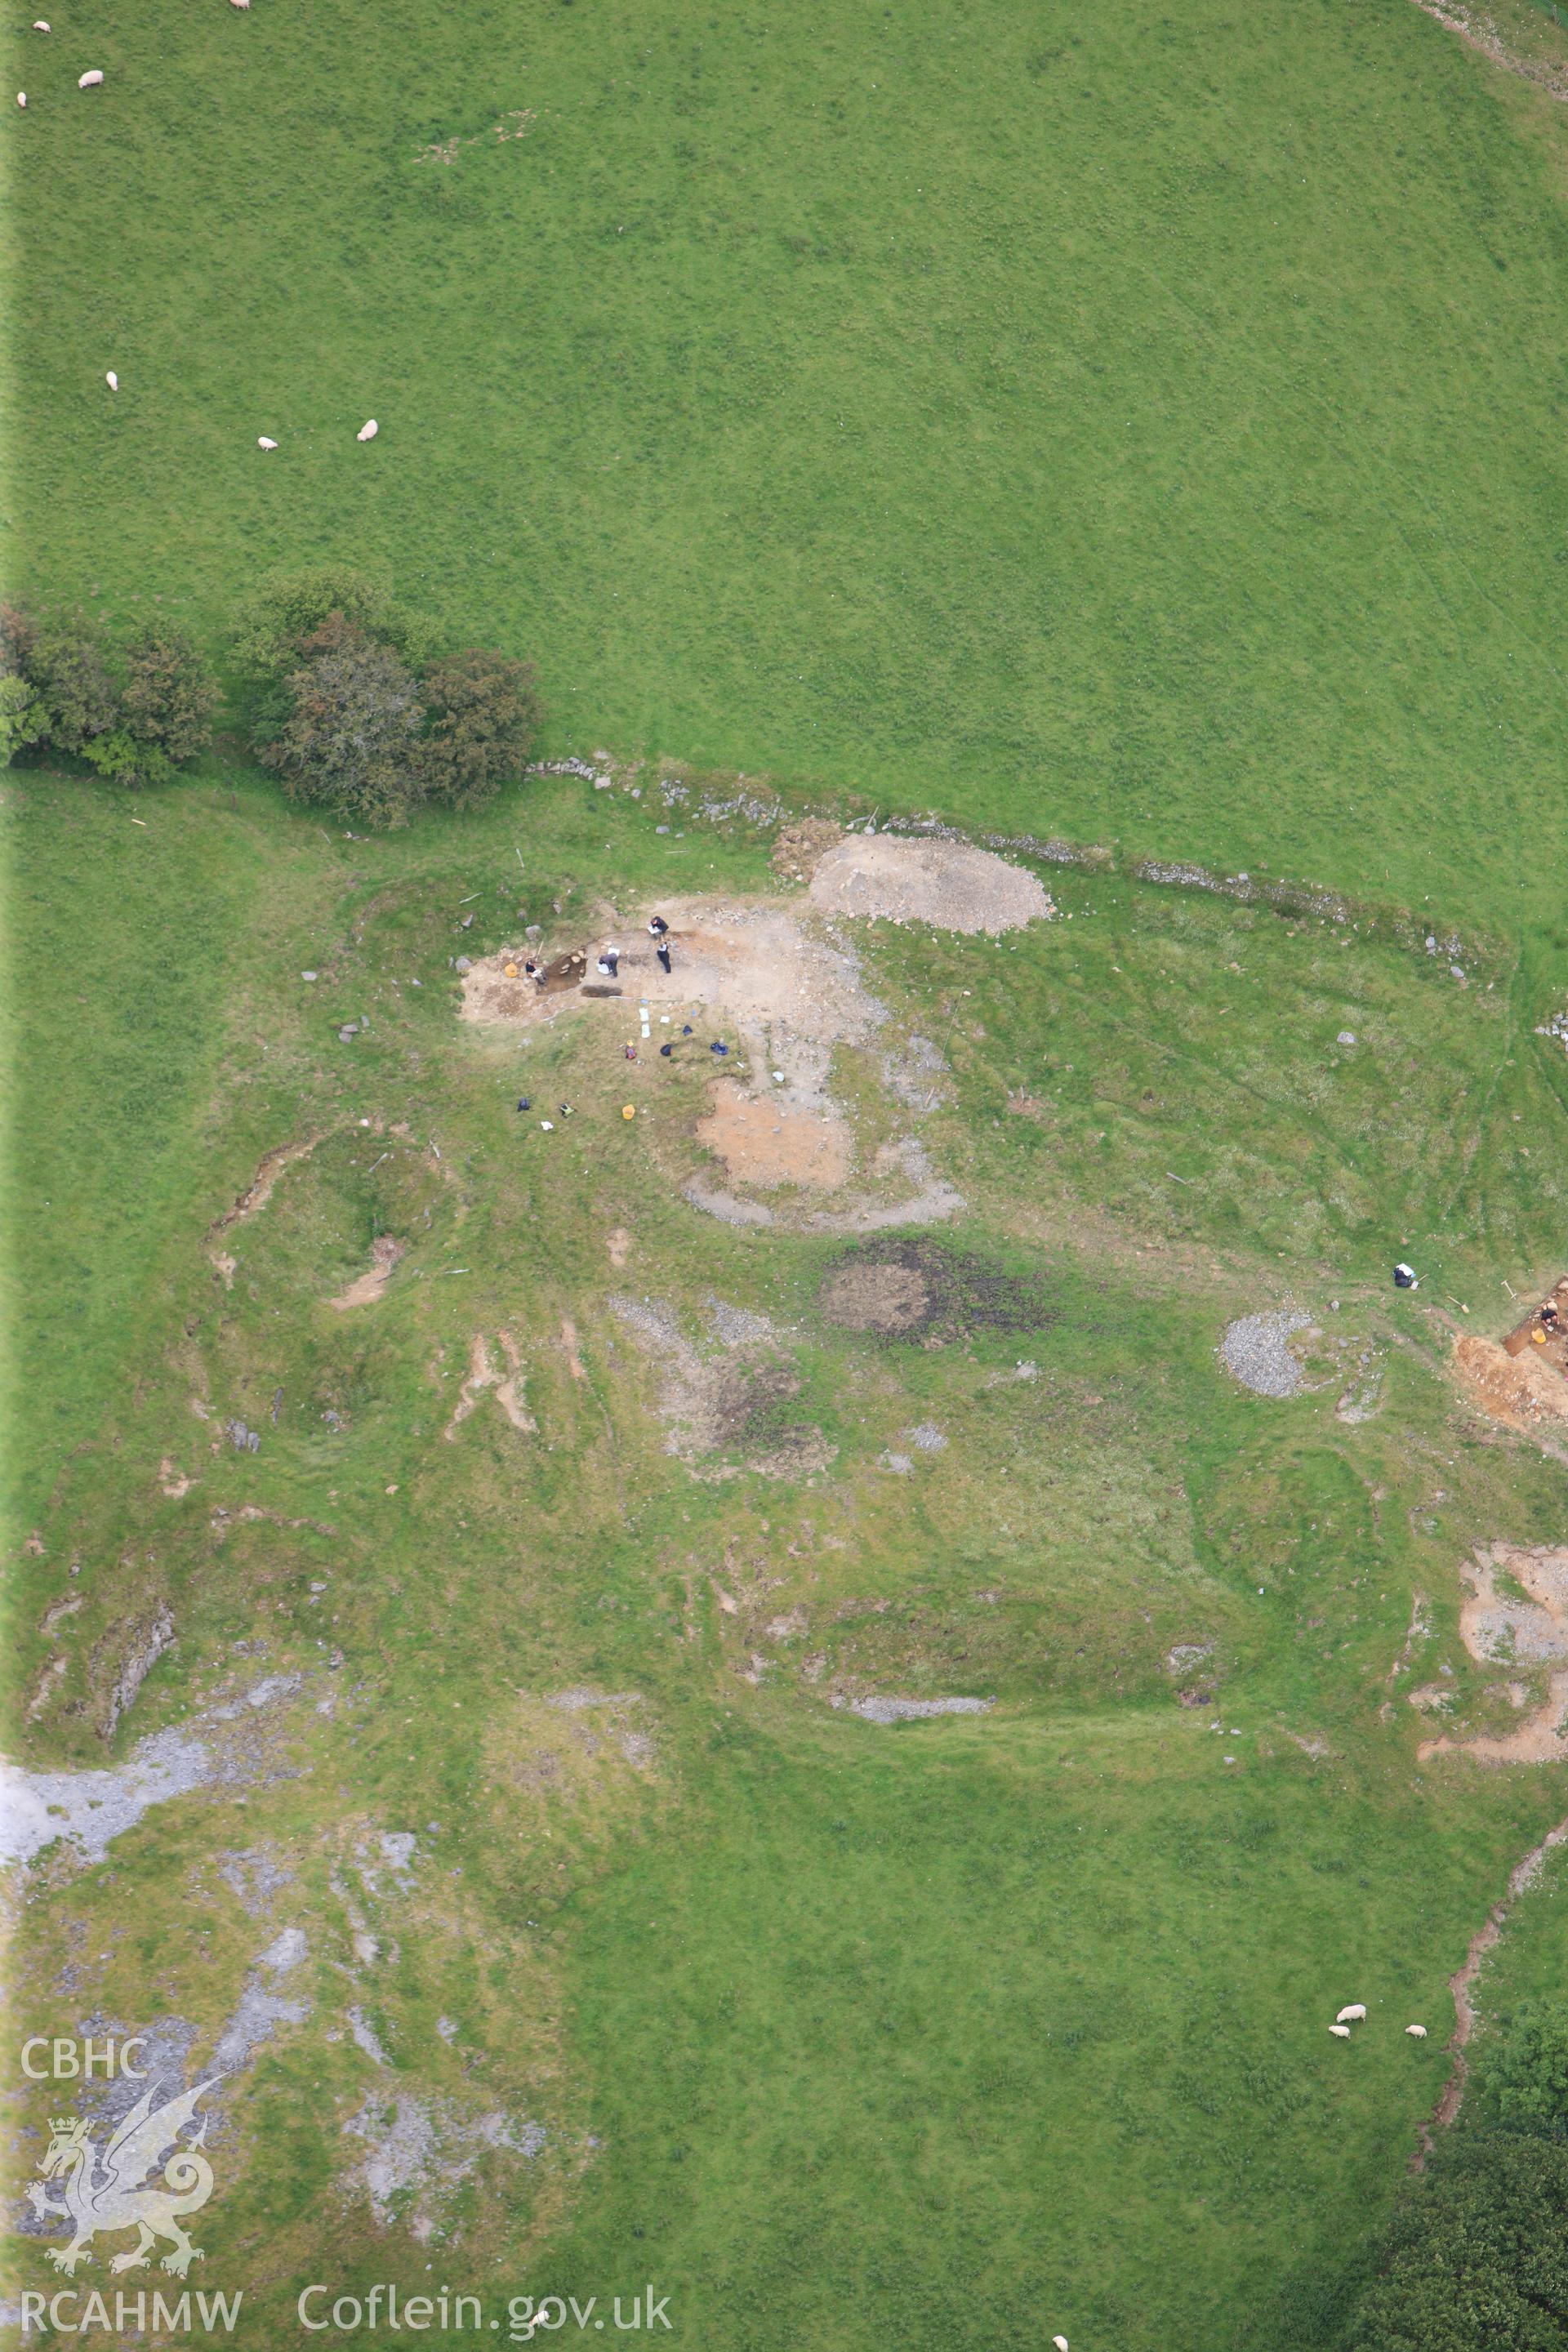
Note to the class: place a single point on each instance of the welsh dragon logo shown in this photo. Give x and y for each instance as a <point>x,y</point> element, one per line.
<point>101,2189</point>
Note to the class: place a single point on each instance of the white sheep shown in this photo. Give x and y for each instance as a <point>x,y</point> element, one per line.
<point>112,380</point>
<point>368,432</point>
<point>1357,2010</point>
<point>90,80</point>
<point>1418,2031</point>
<point>1343,2032</point>
<point>22,98</point>
<point>263,442</point>
<point>240,3</point>
<point>40,24</point>
<point>1060,2342</point>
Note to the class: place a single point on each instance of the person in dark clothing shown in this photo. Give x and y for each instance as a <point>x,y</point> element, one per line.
<point>657,926</point>
<point>662,951</point>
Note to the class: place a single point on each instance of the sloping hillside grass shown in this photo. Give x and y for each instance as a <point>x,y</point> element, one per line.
<point>1140,425</point>
<point>972,2027</point>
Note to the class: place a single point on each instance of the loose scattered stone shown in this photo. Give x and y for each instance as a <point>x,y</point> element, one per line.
<point>1254,1351</point>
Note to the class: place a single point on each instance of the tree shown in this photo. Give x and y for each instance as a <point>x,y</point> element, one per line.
<point>350,737</point>
<point>67,666</point>
<point>18,635</point>
<point>1522,2071</point>
<point>1476,2256</point>
<point>483,717</point>
<point>287,609</point>
<point>22,719</point>
<point>121,758</point>
<point>170,696</point>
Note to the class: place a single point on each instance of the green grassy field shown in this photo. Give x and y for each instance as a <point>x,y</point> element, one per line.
<point>1141,429</point>
<point>1139,426</point>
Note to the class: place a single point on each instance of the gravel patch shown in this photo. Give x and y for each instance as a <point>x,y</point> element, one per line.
<point>92,1809</point>
<point>914,1076</point>
<point>912,1710</point>
<point>262,2009</point>
<point>366,2039</point>
<point>928,1437</point>
<point>1254,1352</point>
<point>571,1702</point>
<point>255,1877</point>
<point>737,1327</point>
<point>419,2152</point>
<point>948,883</point>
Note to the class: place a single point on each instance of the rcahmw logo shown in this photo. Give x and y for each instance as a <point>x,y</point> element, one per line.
<point>92,2190</point>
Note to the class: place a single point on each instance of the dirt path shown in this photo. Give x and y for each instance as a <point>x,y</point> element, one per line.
<point>1482,33</point>
<point>1521,1879</point>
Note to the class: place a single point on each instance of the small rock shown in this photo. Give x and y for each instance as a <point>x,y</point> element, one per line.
<point>464,964</point>
<point>310,975</point>
<point>1345,1037</point>
<point>348,1033</point>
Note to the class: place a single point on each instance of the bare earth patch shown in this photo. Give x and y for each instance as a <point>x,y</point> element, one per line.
<point>789,995</point>
<point>483,1375</point>
<point>1499,1629</point>
<point>763,1142</point>
<point>876,1297</point>
<point>800,848</point>
<point>1514,1389</point>
<point>366,1287</point>
<point>724,1401</point>
<point>948,883</point>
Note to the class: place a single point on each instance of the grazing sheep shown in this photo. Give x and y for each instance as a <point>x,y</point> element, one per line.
<point>240,3</point>
<point>1356,2009</point>
<point>263,442</point>
<point>1418,2031</point>
<point>1060,2342</point>
<point>40,24</point>
<point>112,380</point>
<point>90,80</point>
<point>1343,2032</point>
<point>21,98</point>
<point>368,432</point>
